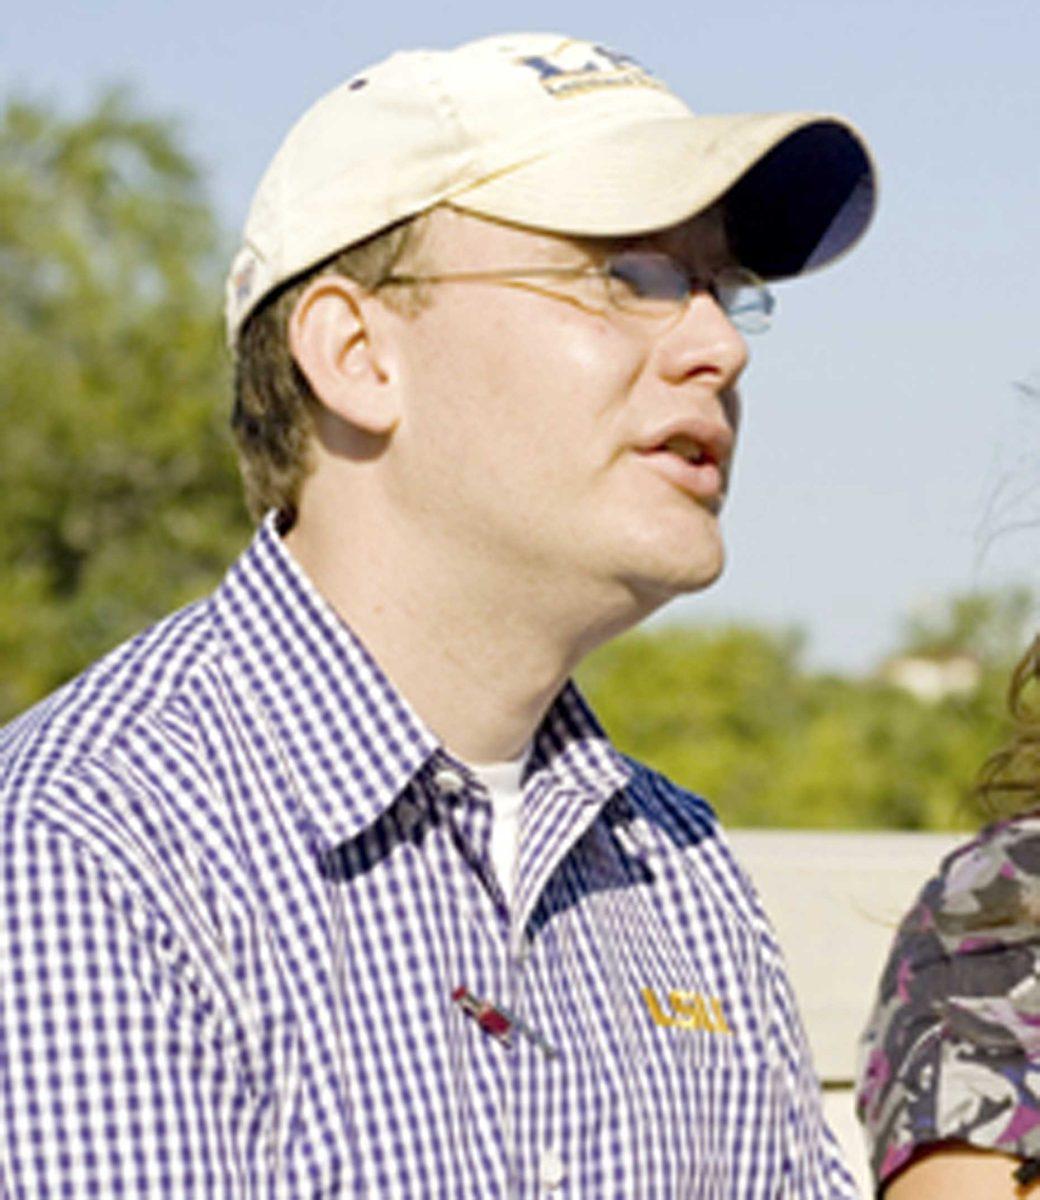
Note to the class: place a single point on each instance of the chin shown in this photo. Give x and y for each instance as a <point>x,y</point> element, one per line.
<point>646,564</point>
<point>698,576</point>
<point>679,565</point>
<point>654,586</point>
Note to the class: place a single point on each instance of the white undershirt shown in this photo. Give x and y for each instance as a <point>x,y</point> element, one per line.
<point>502,780</point>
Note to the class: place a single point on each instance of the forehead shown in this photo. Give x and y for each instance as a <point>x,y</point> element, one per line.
<point>449,236</point>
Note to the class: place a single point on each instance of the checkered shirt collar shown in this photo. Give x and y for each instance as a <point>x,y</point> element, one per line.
<point>342,727</point>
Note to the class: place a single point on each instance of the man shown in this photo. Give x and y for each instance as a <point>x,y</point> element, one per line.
<point>330,885</point>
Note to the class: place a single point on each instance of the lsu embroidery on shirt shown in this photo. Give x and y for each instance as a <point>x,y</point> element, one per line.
<point>688,1010</point>
<point>570,69</point>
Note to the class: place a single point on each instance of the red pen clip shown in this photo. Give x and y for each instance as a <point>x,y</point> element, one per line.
<point>499,1022</point>
<point>489,1018</point>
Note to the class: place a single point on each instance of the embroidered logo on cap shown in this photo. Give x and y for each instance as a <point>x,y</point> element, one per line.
<point>576,67</point>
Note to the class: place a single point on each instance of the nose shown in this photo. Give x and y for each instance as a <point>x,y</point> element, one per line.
<point>703,343</point>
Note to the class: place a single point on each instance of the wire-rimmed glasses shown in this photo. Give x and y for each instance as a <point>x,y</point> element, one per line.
<point>644,282</point>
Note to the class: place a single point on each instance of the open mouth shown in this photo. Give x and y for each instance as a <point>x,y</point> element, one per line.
<point>689,466</point>
<point>687,449</point>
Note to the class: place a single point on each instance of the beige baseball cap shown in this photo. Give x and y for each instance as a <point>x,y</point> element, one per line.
<point>552,133</point>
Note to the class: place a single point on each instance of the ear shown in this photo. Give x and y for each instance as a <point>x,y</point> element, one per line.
<point>338,339</point>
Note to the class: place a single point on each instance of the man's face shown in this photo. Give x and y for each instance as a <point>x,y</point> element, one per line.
<point>555,440</point>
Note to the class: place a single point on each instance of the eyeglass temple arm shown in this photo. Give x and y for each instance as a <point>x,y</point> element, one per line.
<point>499,273</point>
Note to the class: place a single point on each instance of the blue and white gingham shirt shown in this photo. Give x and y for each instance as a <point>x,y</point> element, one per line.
<point>241,882</point>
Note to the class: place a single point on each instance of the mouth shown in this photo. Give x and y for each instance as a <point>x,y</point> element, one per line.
<point>686,448</point>
<point>690,465</point>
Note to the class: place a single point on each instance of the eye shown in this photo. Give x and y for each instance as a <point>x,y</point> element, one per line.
<point>636,275</point>
<point>744,298</point>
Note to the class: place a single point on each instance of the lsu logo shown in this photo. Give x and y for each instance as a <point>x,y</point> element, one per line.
<point>576,67</point>
<point>687,1010</point>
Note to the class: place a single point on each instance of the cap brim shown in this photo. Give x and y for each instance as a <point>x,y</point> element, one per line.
<point>800,188</point>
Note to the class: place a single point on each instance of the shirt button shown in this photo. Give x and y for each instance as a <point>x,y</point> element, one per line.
<point>552,1170</point>
<point>448,781</point>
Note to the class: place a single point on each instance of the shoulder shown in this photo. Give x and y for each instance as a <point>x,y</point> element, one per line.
<point>676,810</point>
<point>991,884</point>
<point>681,822</point>
<point>979,912</point>
<point>95,726</point>
<point>689,832</point>
<point>952,1047</point>
<point>104,788</point>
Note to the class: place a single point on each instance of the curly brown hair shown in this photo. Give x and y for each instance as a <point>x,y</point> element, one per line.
<point>1009,780</point>
<point>272,415</point>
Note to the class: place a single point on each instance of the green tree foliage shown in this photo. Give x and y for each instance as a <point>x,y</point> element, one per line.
<point>120,499</point>
<point>732,714</point>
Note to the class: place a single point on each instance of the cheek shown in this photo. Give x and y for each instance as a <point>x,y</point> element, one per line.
<point>566,384</point>
<point>573,391</point>
<point>591,354</point>
<point>531,384</point>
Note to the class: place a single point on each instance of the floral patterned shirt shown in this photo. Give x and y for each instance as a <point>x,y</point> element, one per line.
<point>952,1048</point>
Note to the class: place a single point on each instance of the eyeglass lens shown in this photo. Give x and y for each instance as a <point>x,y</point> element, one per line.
<point>641,280</point>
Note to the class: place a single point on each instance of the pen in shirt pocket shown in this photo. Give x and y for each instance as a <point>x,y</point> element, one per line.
<point>498,1021</point>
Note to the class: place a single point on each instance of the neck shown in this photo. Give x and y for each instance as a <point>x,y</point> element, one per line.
<point>479,658</point>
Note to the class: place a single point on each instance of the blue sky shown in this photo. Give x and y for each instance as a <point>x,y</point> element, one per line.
<point>888,456</point>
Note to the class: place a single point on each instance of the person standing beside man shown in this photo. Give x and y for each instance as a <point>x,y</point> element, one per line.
<point>948,1087</point>
<point>330,884</point>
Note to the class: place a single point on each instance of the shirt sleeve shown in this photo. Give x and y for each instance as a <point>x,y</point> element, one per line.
<point>121,1074</point>
<point>951,1050</point>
